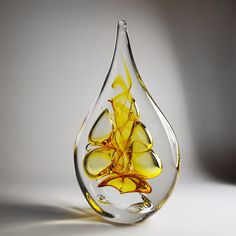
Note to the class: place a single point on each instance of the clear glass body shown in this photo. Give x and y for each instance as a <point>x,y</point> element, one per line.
<point>126,154</point>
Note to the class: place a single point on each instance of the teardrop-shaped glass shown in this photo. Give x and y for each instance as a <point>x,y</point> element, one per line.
<point>126,154</point>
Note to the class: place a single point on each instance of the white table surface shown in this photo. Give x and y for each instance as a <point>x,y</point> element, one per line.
<point>198,209</point>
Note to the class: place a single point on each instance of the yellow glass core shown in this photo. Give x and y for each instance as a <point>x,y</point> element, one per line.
<point>121,155</point>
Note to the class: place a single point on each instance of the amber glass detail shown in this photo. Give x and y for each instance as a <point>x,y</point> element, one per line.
<point>120,151</point>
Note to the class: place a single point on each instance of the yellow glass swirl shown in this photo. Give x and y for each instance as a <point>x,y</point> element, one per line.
<point>121,154</point>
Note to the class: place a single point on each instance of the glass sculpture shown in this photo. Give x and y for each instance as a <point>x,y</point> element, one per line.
<point>126,154</point>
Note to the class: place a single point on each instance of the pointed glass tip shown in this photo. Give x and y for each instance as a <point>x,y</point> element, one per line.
<point>122,24</point>
<point>121,37</point>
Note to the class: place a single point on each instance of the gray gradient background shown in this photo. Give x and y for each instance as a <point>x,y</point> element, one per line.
<point>54,56</point>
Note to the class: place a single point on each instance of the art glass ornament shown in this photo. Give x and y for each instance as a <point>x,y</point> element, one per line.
<point>126,154</point>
